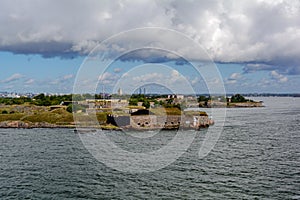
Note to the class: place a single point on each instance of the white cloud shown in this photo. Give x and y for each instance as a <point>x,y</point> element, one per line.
<point>234,78</point>
<point>68,76</point>
<point>231,81</point>
<point>278,77</point>
<point>29,81</point>
<point>256,31</point>
<point>154,74</point>
<point>108,78</point>
<point>63,81</point>
<point>117,70</point>
<point>12,78</point>
<point>248,68</point>
<point>149,77</point>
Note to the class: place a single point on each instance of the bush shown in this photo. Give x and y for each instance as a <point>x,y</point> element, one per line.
<point>146,104</point>
<point>4,112</point>
<point>202,98</point>
<point>69,108</point>
<point>74,108</point>
<point>238,98</point>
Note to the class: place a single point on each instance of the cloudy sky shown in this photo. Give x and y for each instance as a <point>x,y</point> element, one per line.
<point>255,44</point>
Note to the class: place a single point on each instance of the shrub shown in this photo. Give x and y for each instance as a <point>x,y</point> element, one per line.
<point>4,112</point>
<point>238,98</point>
<point>74,108</point>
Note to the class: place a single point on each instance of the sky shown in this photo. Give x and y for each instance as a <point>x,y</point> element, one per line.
<point>253,44</point>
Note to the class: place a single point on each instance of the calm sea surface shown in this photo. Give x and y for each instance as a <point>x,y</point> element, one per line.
<point>256,157</point>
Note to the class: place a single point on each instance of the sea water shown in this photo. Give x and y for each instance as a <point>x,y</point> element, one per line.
<point>256,157</point>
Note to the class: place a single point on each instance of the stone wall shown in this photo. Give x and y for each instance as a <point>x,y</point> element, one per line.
<point>153,121</point>
<point>143,121</point>
<point>160,122</point>
<point>118,120</point>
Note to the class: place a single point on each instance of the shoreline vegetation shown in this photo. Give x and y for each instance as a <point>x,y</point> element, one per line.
<point>119,112</point>
<point>235,101</point>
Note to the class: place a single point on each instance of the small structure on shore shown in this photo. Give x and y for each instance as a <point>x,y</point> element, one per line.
<point>146,120</point>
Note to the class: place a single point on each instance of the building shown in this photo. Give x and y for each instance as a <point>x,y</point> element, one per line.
<point>120,92</point>
<point>145,120</point>
<point>106,103</point>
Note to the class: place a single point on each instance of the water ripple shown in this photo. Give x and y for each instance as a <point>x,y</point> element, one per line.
<point>256,157</point>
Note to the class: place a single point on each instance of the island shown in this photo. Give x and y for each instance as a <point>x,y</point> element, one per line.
<point>235,101</point>
<point>113,112</point>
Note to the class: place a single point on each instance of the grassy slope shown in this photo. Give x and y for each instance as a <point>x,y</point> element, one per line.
<point>52,117</point>
<point>11,117</point>
<point>62,117</point>
<point>166,111</point>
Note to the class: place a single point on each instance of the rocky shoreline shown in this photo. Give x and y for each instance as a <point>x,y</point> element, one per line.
<point>29,125</point>
<point>216,104</point>
<point>17,124</point>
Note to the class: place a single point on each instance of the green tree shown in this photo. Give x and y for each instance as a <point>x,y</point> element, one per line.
<point>146,104</point>
<point>202,98</point>
<point>69,108</point>
<point>40,96</point>
<point>133,102</point>
<point>170,101</point>
<point>238,98</point>
<point>74,108</point>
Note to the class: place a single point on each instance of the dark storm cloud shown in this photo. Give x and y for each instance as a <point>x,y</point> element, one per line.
<point>45,48</point>
<point>262,32</point>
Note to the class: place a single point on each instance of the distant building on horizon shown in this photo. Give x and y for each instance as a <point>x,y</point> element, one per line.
<point>120,92</point>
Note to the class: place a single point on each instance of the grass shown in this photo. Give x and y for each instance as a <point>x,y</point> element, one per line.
<point>57,116</point>
<point>176,111</point>
<point>136,107</point>
<point>101,117</point>
<point>62,117</point>
<point>52,117</point>
<point>195,113</point>
<point>11,117</point>
<point>110,127</point>
<point>166,111</point>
